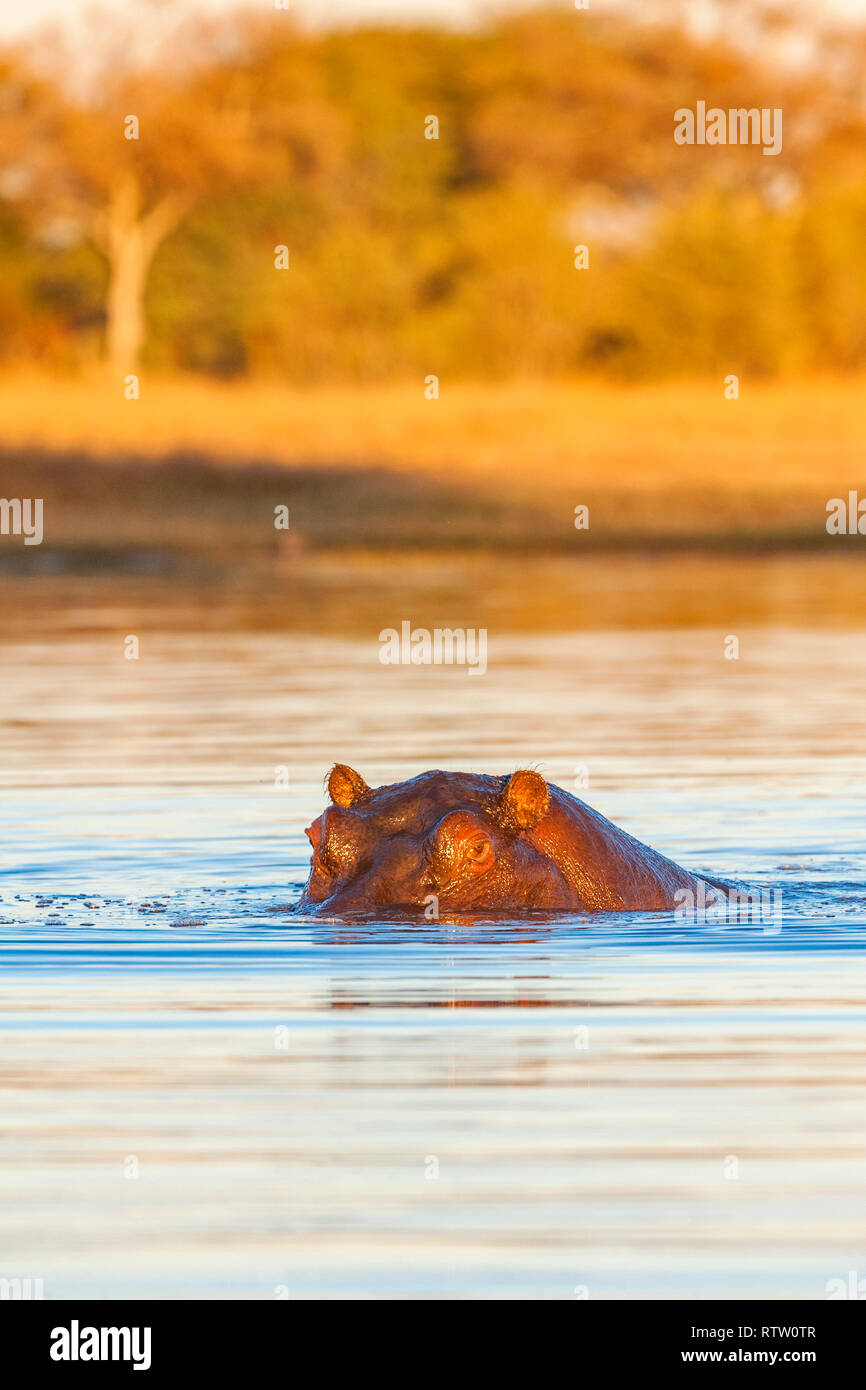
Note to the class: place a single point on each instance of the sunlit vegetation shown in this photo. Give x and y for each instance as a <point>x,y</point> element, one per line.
<point>411,255</point>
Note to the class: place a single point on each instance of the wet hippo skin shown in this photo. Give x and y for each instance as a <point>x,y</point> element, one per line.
<point>476,843</point>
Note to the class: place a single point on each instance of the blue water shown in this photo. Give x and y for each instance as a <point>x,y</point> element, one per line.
<point>205,1096</point>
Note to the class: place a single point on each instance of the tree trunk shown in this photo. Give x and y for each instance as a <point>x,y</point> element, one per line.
<point>127,273</point>
<point>129,241</point>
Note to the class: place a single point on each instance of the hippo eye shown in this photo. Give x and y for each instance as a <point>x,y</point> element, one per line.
<point>479,851</point>
<point>477,854</point>
<point>460,846</point>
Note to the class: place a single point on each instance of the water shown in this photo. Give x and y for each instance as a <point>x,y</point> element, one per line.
<point>203,1096</point>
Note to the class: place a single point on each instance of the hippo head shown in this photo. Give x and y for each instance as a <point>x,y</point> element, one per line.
<point>459,839</point>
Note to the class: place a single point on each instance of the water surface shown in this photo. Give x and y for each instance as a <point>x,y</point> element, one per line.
<point>204,1096</point>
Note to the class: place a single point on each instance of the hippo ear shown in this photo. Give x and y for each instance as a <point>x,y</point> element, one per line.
<point>346,786</point>
<point>525,800</point>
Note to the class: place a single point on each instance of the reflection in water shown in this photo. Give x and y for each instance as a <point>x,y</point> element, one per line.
<point>491,1108</point>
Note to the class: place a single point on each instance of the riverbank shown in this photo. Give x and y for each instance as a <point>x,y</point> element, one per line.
<point>193,471</point>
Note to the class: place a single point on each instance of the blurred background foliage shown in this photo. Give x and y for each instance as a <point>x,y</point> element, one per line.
<point>410,255</point>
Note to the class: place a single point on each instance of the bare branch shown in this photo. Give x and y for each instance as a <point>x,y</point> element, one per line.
<point>162,219</point>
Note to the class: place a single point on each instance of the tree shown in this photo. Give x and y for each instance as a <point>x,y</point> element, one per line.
<point>127,159</point>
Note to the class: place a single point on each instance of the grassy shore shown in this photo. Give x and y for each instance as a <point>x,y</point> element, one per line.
<point>197,465</point>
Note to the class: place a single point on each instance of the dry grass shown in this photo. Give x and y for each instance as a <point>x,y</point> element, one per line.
<point>545,440</point>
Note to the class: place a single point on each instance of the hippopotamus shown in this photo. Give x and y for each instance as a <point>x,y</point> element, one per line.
<point>472,843</point>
